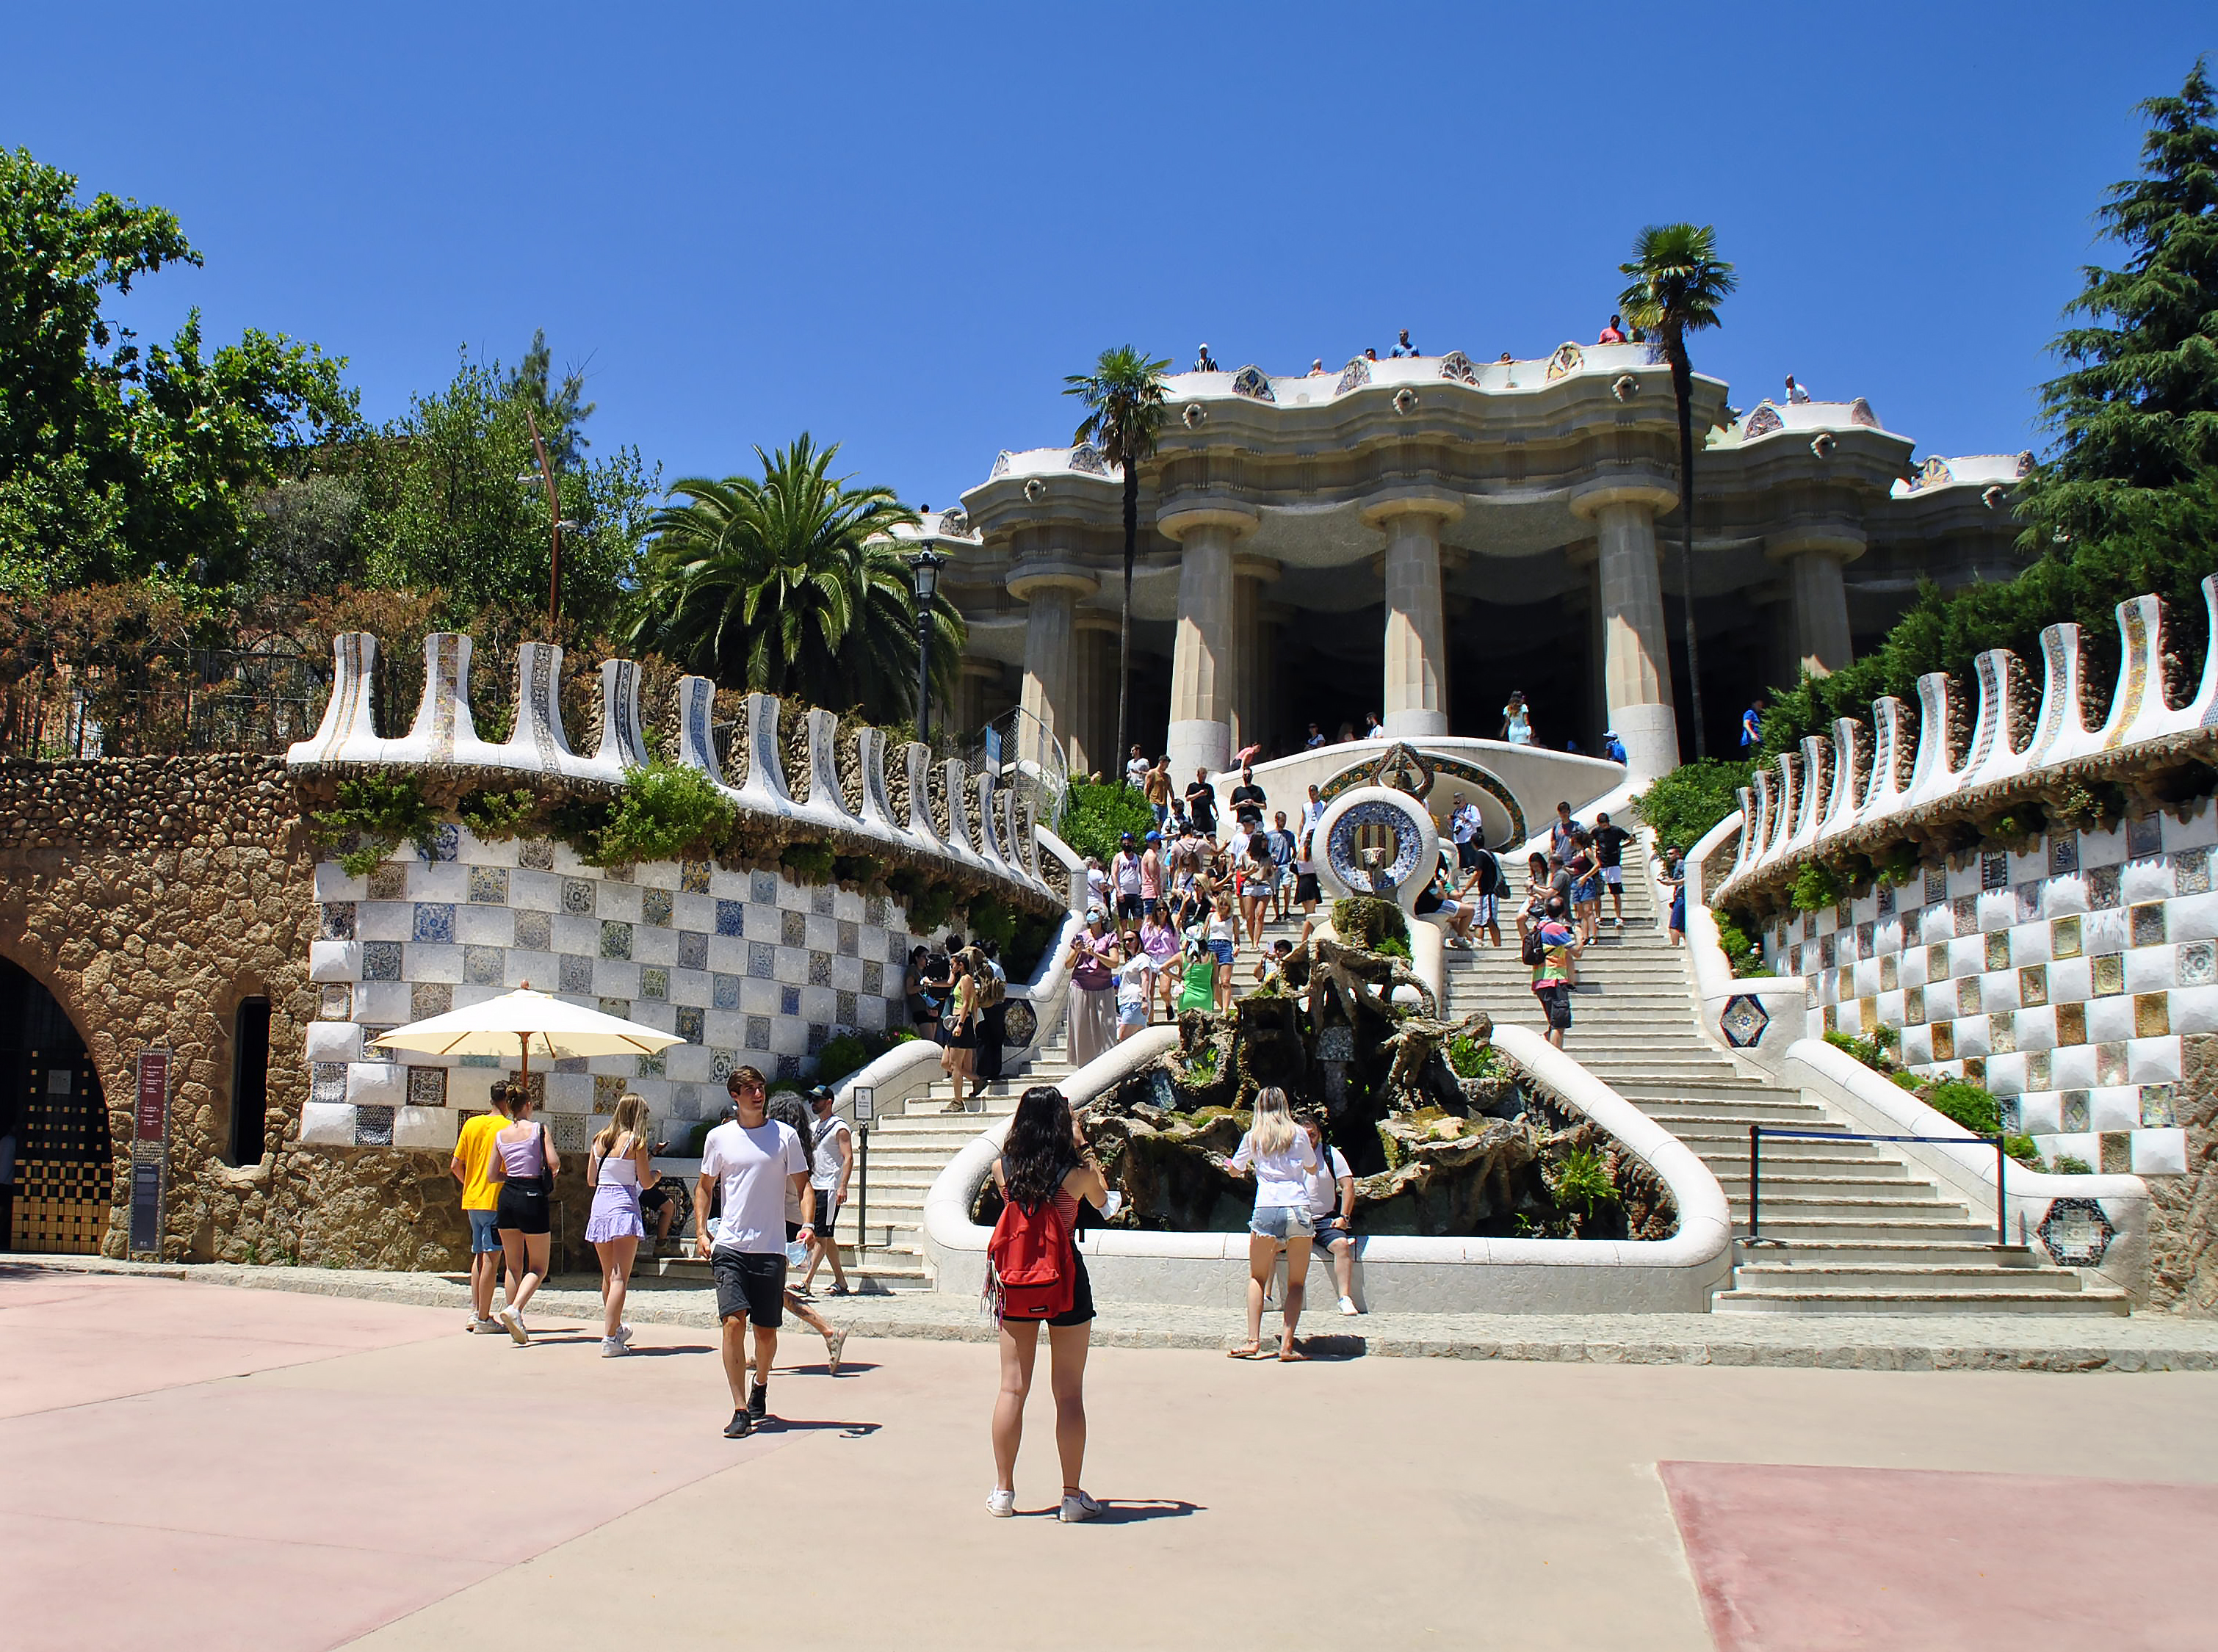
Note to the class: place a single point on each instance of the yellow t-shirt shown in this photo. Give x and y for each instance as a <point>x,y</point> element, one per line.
<point>475,1148</point>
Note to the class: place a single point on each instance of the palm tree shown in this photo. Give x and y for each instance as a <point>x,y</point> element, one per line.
<point>790,583</point>
<point>1124,393</point>
<point>1678,281</point>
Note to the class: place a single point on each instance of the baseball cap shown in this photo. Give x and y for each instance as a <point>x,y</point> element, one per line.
<point>1155,837</point>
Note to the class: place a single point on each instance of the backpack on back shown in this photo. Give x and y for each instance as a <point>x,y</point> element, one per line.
<point>1534,953</point>
<point>1028,1263</point>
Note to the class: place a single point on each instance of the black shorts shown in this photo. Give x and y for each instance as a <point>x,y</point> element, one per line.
<point>1556,1001</point>
<point>522,1207</point>
<point>752,1283</point>
<point>1128,906</point>
<point>827,1213</point>
<point>1305,887</point>
<point>1081,1298</point>
<point>1331,1228</point>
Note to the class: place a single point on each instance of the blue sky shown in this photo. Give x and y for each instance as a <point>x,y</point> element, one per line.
<point>898,227</point>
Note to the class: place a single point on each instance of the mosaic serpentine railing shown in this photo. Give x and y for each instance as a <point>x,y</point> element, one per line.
<point>953,814</point>
<point>1876,784</point>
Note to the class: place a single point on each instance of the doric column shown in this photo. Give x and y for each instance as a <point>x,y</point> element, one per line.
<point>1200,734</point>
<point>1251,687</point>
<point>1635,669</point>
<point>1093,678</point>
<point>978,684</point>
<point>1415,692</point>
<point>1050,592</point>
<point>1820,608</point>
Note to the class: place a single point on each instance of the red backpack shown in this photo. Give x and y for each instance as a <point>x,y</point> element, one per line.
<point>1028,1271</point>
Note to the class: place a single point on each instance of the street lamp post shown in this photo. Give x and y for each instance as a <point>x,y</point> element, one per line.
<point>925,566</point>
<point>556,526</point>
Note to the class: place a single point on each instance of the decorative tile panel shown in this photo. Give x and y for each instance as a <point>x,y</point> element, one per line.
<point>537,853</point>
<point>654,907</point>
<point>381,961</point>
<point>615,939</point>
<point>577,974</point>
<point>388,880</point>
<point>693,876</point>
<point>484,966</point>
<point>535,931</point>
<point>654,982</point>
<point>489,886</point>
<point>731,917</point>
<point>337,920</point>
<point>692,949</point>
<point>435,922</point>
<point>429,998</point>
<point>578,896</point>
<point>427,1086</point>
<point>724,991</point>
<point>691,1019</point>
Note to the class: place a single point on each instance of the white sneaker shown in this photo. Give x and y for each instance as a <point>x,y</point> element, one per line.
<point>512,1322</point>
<point>612,1346</point>
<point>623,1335</point>
<point>1000,1504</point>
<point>1348,1307</point>
<point>1077,1507</point>
<point>482,1327</point>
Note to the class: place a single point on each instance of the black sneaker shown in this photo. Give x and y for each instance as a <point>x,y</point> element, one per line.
<point>759,1405</point>
<point>741,1425</point>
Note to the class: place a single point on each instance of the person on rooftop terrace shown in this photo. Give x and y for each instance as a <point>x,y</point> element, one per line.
<point>1795,392</point>
<point>1405,348</point>
<point>1205,362</point>
<point>1613,333</point>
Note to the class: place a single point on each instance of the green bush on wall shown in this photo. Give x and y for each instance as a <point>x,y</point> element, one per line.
<point>1095,817</point>
<point>1686,803</point>
<point>386,810</point>
<point>665,808</point>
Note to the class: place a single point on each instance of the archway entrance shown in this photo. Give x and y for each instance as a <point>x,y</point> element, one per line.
<point>51,1103</point>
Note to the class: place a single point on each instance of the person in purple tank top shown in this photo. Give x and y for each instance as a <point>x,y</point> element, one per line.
<point>524,1163</point>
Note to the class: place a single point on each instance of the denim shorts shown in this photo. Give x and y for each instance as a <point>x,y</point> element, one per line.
<point>1282,1222</point>
<point>484,1231</point>
<point>1221,950</point>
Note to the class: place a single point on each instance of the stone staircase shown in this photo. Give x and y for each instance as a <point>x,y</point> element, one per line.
<point>1848,1227</point>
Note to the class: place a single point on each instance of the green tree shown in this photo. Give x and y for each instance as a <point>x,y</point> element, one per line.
<point>561,407</point>
<point>2126,501</point>
<point>456,504</point>
<point>790,583</point>
<point>1677,283</point>
<point>1125,394</point>
<point>114,461</point>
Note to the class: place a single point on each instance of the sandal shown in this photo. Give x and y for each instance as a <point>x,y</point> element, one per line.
<point>1292,1356</point>
<point>1252,1351</point>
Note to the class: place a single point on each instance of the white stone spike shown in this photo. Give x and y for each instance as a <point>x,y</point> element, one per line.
<point>917,756</point>
<point>871,760</point>
<point>621,747</point>
<point>826,801</point>
<point>1851,739</point>
<point>2203,710</point>
<point>346,734</point>
<point>2148,715</point>
<point>1787,771</point>
<point>1934,776</point>
<point>696,738</point>
<point>2001,674</point>
<point>1809,812</point>
<point>536,742</point>
<point>960,841</point>
<point>765,787</point>
<point>1884,795</point>
<point>1751,830</point>
<point>445,731</point>
<point>989,848</point>
<point>1765,787</point>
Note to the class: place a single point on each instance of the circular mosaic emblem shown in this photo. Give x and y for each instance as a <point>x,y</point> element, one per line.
<point>1019,1024</point>
<point>1378,841</point>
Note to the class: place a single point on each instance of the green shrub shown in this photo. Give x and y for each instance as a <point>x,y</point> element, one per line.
<point>1746,955</point>
<point>857,869</point>
<point>579,822</point>
<point>386,809</point>
<point>993,918</point>
<point>2069,1164</point>
<point>929,903</point>
<point>1394,947</point>
<point>1815,887</point>
<point>809,863</point>
<point>1095,817</point>
<point>2021,1147</point>
<point>494,817</point>
<point>1469,1059</point>
<point>852,1051</point>
<point>665,808</point>
<point>1686,803</point>
<point>1365,920</point>
<point>1967,1104</point>
<point>1581,1179</point>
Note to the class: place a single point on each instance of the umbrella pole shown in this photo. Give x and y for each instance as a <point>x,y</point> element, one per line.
<point>524,1055</point>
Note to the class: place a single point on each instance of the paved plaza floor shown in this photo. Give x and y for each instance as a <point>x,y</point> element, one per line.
<point>192,1466</point>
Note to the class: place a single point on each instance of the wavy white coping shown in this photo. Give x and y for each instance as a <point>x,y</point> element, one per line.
<point>1795,815</point>
<point>1871,1101</point>
<point>1394,1272</point>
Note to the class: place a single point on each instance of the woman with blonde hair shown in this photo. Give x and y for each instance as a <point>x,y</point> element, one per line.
<point>1280,1154</point>
<point>1224,940</point>
<point>958,1020</point>
<point>619,1167</point>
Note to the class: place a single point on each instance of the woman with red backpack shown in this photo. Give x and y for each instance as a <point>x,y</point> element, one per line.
<point>1036,1277</point>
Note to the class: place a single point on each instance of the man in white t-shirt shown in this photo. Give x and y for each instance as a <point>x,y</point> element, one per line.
<point>1332,1207</point>
<point>827,1174</point>
<point>753,1160</point>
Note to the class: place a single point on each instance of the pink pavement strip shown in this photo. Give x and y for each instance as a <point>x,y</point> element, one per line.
<point>1821,1559</point>
<point>335,1465</point>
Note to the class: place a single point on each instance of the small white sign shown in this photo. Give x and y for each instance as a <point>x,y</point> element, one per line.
<point>865,1098</point>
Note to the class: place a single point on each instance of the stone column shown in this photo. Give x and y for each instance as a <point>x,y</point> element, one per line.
<point>1050,592</point>
<point>980,679</point>
<point>1093,677</point>
<point>1820,608</point>
<point>1416,691</point>
<point>1200,734</point>
<point>1636,667</point>
<point>1251,688</point>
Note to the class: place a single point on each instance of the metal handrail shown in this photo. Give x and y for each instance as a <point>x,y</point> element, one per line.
<point>1756,1132</point>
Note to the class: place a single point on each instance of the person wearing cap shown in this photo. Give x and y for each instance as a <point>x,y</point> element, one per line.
<point>1151,874</point>
<point>830,1165</point>
<point>1612,748</point>
<point>1125,879</point>
<point>1464,828</point>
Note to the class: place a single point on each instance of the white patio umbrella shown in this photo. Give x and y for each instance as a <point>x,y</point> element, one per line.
<point>525,1023</point>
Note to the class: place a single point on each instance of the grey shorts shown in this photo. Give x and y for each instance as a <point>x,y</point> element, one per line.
<point>750,1282</point>
<point>1281,1221</point>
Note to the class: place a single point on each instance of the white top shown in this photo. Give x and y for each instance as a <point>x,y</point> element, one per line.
<point>752,1167</point>
<point>619,1172</point>
<point>1520,724</point>
<point>1463,825</point>
<point>1323,1182</point>
<point>1281,1178</point>
<point>825,1173</point>
<point>1097,885</point>
<point>1132,979</point>
<point>1138,768</point>
<point>1126,868</point>
<point>1221,929</point>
